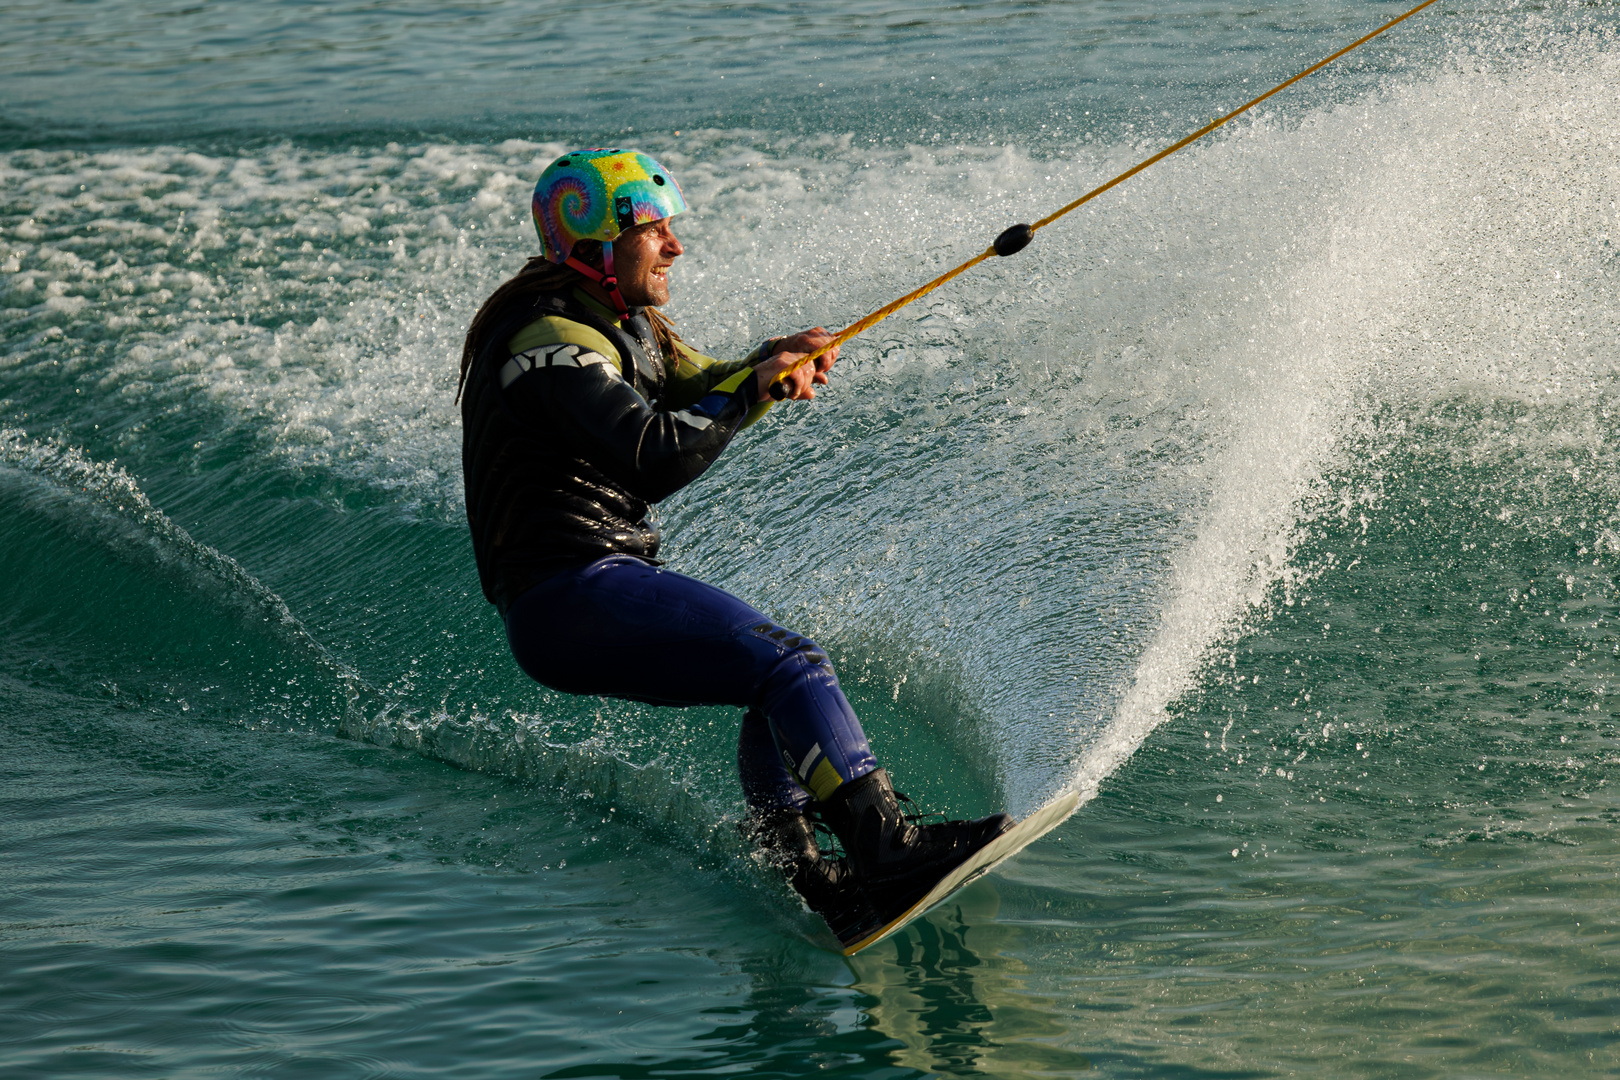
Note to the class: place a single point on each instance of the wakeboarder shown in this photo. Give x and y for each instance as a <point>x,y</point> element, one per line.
<point>581,408</point>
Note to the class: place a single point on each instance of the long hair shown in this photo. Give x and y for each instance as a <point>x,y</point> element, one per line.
<point>540,276</point>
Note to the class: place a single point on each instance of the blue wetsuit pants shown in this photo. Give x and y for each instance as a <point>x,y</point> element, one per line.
<point>620,627</point>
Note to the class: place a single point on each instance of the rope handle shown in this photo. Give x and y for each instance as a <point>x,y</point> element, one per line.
<point>1015,239</point>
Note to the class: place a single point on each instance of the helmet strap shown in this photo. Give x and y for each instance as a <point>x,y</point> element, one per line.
<point>605,278</point>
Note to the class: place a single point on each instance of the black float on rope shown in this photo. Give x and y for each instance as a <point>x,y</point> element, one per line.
<point>1013,240</point>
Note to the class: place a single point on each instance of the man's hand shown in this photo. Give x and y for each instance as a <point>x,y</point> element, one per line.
<point>801,384</point>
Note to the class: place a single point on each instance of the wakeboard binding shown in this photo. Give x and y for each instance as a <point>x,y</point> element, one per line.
<point>896,860</point>
<point>891,861</point>
<point>825,882</point>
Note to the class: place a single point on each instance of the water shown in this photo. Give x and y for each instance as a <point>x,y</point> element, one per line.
<point>1270,500</point>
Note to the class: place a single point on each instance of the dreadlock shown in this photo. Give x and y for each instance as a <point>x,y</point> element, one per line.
<point>540,276</point>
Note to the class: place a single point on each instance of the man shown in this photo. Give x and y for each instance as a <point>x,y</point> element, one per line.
<point>581,407</point>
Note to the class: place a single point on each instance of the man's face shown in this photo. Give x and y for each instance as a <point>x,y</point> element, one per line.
<point>641,258</point>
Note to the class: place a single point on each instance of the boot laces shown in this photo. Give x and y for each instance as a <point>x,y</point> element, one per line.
<point>910,812</point>
<point>826,841</point>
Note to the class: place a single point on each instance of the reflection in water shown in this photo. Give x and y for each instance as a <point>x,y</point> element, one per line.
<point>952,989</point>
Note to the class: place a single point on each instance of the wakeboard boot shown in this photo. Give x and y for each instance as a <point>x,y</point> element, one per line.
<point>897,861</point>
<point>828,886</point>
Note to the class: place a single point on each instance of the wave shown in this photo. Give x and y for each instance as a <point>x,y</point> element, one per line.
<point>102,581</point>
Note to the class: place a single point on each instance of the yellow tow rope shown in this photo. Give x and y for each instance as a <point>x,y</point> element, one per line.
<point>1014,239</point>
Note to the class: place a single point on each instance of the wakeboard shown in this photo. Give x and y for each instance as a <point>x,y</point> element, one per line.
<point>986,859</point>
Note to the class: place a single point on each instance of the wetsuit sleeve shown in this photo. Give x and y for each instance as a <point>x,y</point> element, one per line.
<point>695,375</point>
<point>581,393</point>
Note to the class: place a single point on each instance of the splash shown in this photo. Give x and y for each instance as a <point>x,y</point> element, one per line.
<point>1469,263</point>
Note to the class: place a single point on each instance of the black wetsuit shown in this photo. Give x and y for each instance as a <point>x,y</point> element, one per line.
<point>569,436</point>
<point>575,423</point>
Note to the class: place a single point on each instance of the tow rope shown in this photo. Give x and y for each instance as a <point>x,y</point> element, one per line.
<point>1016,238</point>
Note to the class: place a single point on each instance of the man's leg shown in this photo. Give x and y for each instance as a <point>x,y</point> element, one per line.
<point>622,628</point>
<point>766,782</point>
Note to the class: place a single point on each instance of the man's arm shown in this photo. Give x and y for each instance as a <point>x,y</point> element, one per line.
<point>695,375</point>
<point>653,452</point>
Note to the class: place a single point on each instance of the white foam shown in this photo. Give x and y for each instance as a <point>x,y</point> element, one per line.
<point>315,298</point>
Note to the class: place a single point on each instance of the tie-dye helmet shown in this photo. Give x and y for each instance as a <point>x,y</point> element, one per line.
<point>597,194</point>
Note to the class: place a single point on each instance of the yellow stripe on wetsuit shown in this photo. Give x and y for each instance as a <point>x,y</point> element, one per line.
<point>693,377</point>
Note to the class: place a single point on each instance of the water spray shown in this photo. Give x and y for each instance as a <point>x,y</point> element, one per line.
<point>1017,237</point>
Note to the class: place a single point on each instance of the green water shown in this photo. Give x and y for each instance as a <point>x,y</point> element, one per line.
<point>1270,502</point>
